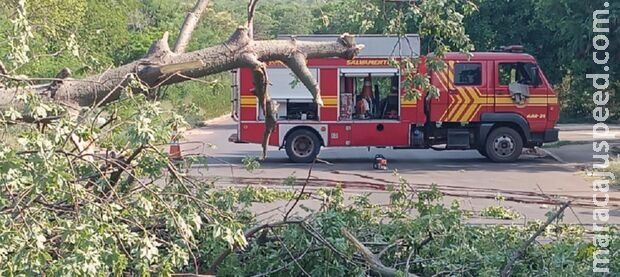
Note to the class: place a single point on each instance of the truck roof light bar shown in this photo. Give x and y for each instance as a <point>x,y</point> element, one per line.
<point>510,49</point>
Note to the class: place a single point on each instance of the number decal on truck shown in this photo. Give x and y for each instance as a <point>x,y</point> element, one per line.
<point>537,116</point>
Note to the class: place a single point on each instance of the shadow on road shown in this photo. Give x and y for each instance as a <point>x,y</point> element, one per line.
<point>409,164</point>
<point>219,127</point>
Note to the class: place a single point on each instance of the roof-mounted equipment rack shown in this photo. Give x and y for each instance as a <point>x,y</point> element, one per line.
<point>510,49</point>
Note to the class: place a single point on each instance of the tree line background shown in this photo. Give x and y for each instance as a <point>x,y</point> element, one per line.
<point>90,36</point>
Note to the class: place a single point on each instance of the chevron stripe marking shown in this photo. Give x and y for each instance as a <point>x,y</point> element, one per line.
<point>455,100</point>
<point>466,103</point>
<point>475,104</point>
<point>442,79</point>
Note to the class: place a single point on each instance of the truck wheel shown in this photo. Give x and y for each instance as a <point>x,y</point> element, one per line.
<point>504,145</point>
<point>302,146</point>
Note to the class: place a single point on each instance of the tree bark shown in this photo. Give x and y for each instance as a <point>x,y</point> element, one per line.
<point>162,67</point>
<point>251,11</point>
<point>371,259</point>
<point>189,25</point>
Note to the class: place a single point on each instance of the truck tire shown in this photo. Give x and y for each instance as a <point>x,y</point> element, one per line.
<point>504,145</point>
<point>302,146</point>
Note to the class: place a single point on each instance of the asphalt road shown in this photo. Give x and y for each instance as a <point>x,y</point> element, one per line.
<point>530,185</point>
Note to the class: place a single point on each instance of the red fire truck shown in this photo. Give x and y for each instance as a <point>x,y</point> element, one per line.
<point>494,102</point>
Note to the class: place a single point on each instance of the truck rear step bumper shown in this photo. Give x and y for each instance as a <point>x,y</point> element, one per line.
<point>234,138</point>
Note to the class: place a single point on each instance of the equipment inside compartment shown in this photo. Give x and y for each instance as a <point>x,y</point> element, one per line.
<point>369,97</point>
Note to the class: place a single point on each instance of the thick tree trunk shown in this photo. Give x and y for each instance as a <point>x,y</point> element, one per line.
<point>161,66</point>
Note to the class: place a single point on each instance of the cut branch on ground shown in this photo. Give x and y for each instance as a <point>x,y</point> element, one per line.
<point>371,259</point>
<point>507,270</point>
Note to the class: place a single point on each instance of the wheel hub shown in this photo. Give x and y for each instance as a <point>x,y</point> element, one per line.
<point>504,145</point>
<point>303,146</point>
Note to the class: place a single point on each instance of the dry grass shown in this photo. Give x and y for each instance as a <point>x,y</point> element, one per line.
<point>615,168</point>
<point>8,135</point>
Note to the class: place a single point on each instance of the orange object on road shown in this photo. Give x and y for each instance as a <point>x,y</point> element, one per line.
<point>175,147</point>
<point>380,162</point>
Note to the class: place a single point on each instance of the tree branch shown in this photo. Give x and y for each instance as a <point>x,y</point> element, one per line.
<point>191,21</point>
<point>153,71</point>
<point>249,233</point>
<point>270,108</point>
<point>251,11</point>
<point>297,63</point>
<point>301,193</point>
<point>390,246</point>
<point>373,261</point>
<point>161,67</point>
<point>507,270</point>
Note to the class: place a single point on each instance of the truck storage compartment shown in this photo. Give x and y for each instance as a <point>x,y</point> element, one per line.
<point>301,111</point>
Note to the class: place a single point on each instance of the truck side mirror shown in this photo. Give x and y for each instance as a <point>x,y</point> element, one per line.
<point>519,93</point>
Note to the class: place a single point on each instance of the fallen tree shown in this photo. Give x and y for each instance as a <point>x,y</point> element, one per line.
<point>162,66</point>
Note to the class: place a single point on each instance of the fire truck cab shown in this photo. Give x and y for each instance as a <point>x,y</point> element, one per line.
<point>494,102</point>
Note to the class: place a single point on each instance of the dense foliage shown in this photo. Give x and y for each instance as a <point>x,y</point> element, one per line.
<point>66,211</point>
<point>71,212</point>
<point>434,240</point>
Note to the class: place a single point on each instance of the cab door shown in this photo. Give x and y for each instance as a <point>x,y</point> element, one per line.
<point>438,105</point>
<point>465,91</point>
<point>532,107</point>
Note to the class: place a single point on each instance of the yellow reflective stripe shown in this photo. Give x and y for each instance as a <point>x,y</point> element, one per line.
<point>330,101</point>
<point>443,79</point>
<point>465,103</point>
<point>404,101</point>
<point>248,101</point>
<point>457,107</point>
<point>474,105</point>
<point>450,73</point>
<point>444,116</point>
<point>535,100</point>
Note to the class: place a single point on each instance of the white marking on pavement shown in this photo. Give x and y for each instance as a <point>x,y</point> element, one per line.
<point>554,156</point>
